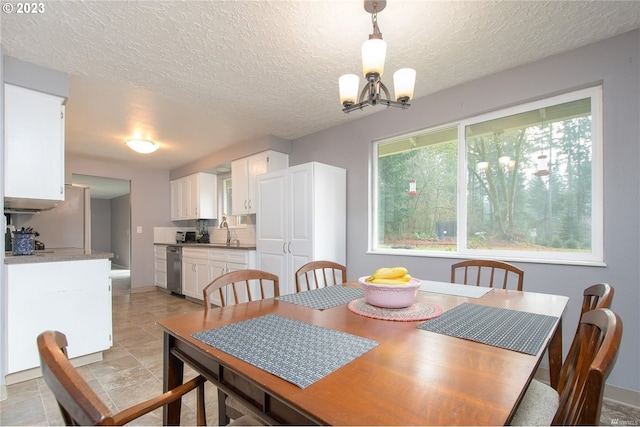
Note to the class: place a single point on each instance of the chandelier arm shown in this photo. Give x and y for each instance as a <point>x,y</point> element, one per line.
<point>386,91</point>
<point>365,90</point>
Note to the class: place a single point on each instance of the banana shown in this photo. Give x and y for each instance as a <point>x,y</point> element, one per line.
<point>389,273</point>
<point>399,281</point>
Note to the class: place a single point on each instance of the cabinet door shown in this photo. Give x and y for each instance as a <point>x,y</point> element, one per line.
<point>185,198</point>
<point>189,277</point>
<point>272,227</point>
<point>175,200</point>
<point>204,195</point>
<point>217,269</point>
<point>301,211</point>
<point>202,277</point>
<point>34,141</point>
<point>240,185</point>
<point>256,165</point>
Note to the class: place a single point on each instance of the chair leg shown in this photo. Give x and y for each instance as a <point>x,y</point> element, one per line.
<point>202,415</point>
<point>223,418</point>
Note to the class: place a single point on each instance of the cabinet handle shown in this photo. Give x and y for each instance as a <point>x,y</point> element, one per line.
<point>284,245</point>
<point>245,204</point>
<point>289,247</point>
<point>249,203</point>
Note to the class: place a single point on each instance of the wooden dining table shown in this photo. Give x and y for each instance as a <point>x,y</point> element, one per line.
<point>413,377</point>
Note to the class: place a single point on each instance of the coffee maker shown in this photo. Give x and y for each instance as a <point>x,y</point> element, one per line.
<point>202,226</point>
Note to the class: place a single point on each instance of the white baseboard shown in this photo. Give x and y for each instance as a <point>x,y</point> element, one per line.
<point>30,374</point>
<point>618,394</point>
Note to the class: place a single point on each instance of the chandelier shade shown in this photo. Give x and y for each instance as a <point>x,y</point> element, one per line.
<point>404,81</point>
<point>374,92</point>
<point>373,54</point>
<point>348,84</point>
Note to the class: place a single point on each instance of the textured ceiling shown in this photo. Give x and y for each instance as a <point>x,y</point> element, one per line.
<point>200,76</point>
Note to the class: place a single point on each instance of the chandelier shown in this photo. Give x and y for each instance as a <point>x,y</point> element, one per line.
<point>373,53</point>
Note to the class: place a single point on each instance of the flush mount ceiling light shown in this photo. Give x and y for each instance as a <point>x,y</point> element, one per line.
<point>144,146</point>
<point>373,53</point>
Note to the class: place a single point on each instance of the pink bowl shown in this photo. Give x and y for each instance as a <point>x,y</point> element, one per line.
<point>390,296</point>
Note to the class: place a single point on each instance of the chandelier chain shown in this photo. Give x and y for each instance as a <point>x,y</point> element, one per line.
<point>374,21</point>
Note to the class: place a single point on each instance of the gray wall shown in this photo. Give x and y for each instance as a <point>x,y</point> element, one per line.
<point>613,62</point>
<point>120,228</point>
<point>150,207</point>
<point>101,225</point>
<point>35,77</point>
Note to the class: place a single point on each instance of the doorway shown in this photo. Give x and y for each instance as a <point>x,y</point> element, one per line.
<point>111,224</point>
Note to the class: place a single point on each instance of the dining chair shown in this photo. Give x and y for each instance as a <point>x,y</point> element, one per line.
<point>486,273</point>
<point>80,405</point>
<point>240,283</point>
<point>319,274</point>
<point>578,400</point>
<point>595,296</point>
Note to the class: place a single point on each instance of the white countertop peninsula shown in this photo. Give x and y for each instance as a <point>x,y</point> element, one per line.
<point>68,290</point>
<point>55,255</point>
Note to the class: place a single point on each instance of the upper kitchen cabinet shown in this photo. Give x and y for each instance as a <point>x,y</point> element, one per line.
<point>243,177</point>
<point>194,197</point>
<point>34,142</point>
<point>301,218</point>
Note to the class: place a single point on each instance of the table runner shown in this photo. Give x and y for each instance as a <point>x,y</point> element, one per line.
<point>295,351</point>
<point>324,298</point>
<point>499,327</point>
<point>470,291</point>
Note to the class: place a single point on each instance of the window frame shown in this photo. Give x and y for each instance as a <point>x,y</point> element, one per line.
<point>594,257</point>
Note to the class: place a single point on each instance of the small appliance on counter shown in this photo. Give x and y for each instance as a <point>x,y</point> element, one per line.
<point>180,237</point>
<point>203,231</point>
<point>190,237</point>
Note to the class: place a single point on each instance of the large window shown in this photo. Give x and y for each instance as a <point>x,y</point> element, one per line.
<point>524,183</point>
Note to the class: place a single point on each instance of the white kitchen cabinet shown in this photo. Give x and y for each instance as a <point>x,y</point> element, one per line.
<point>160,266</point>
<point>34,142</point>
<point>301,217</point>
<point>243,177</point>
<point>195,272</point>
<point>194,197</point>
<point>217,267</point>
<point>73,297</point>
<point>201,265</point>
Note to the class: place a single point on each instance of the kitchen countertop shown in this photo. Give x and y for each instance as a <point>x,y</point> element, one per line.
<point>55,255</point>
<point>210,245</point>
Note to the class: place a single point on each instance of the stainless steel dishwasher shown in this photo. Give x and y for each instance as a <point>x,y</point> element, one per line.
<point>174,269</point>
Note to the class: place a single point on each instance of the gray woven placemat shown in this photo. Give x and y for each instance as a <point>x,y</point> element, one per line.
<point>298,352</point>
<point>324,298</point>
<point>499,327</point>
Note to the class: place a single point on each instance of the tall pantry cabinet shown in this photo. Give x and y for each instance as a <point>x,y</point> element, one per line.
<point>301,217</point>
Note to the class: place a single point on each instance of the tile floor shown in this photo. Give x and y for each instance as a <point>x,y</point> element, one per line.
<point>132,369</point>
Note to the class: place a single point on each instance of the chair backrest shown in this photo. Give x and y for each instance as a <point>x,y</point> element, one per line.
<point>486,273</point>
<point>241,285</point>
<point>78,403</point>
<point>599,295</point>
<point>587,366</point>
<point>318,274</point>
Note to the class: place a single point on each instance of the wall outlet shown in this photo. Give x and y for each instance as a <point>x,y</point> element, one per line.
<point>139,229</point>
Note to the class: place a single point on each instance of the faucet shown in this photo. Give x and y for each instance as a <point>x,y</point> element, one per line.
<point>224,224</point>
